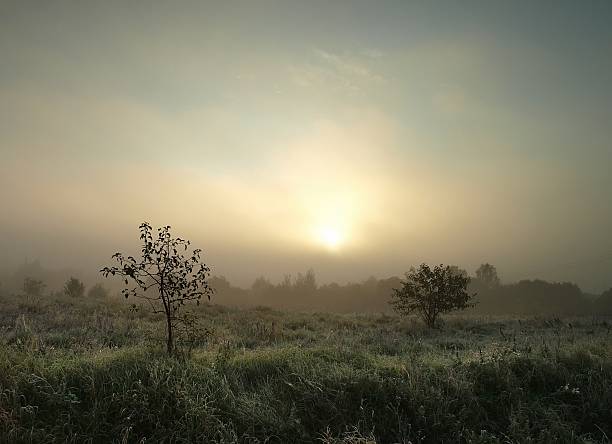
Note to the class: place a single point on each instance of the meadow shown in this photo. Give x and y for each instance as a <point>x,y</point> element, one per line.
<point>94,370</point>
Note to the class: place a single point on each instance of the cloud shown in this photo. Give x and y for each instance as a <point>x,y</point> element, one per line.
<point>348,66</point>
<point>349,73</point>
<point>373,53</point>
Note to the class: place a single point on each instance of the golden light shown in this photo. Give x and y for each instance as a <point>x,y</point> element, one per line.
<point>331,219</point>
<point>330,237</point>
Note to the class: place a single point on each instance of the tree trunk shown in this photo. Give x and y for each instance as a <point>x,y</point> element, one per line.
<point>432,322</point>
<point>168,310</point>
<point>170,340</point>
<point>430,319</point>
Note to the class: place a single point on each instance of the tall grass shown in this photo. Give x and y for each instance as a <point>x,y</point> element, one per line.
<point>93,371</point>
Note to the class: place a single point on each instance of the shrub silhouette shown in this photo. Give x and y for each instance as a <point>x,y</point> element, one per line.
<point>430,292</point>
<point>33,287</point>
<point>74,288</point>
<point>98,291</point>
<point>165,277</point>
<point>603,304</point>
<point>487,276</point>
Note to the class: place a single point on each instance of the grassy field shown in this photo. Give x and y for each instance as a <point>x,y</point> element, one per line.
<point>93,370</point>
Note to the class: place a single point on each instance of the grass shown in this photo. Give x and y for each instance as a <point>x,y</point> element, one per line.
<point>93,371</point>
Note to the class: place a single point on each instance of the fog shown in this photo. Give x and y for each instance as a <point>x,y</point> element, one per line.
<point>283,136</point>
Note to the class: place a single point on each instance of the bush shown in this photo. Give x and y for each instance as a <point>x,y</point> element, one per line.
<point>431,292</point>
<point>74,288</point>
<point>98,291</point>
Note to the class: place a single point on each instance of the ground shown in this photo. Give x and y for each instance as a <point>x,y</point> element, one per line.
<point>94,370</point>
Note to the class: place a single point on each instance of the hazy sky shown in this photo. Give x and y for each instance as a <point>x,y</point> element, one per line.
<point>353,137</point>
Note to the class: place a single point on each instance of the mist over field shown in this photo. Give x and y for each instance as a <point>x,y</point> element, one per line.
<point>341,222</point>
<point>352,138</point>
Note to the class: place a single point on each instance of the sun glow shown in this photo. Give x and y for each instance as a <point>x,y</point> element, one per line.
<point>332,219</point>
<point>330,237</point>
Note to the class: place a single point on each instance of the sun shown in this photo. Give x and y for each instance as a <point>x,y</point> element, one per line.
<point>330,237</point>
<point>330,220</point>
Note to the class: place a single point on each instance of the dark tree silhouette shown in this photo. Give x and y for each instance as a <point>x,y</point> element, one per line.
<point>166,276</point>
<point>430,292</point>
<point>305,284</point>
<point>487,275</point>
<point>74,288</point>
<point>603,304</point>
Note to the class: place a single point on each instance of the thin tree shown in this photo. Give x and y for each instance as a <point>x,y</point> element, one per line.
<point>430,292</point>
<point>166,276</point>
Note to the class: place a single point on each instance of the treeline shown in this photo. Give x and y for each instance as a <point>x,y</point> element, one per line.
<point>527,297</point>
<point>302,292</point>
<point>535,297</point>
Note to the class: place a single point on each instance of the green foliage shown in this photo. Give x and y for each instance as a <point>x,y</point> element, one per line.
<point>91,370</point>
<point>431,292</point>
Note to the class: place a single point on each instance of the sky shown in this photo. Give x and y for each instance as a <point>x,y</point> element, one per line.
<point>356,138</point>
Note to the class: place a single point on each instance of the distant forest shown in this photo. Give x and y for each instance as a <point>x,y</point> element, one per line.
<point>302,292</point>
<point>527,297</point>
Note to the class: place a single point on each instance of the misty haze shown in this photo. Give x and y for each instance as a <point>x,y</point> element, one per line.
<point>319,221</point>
